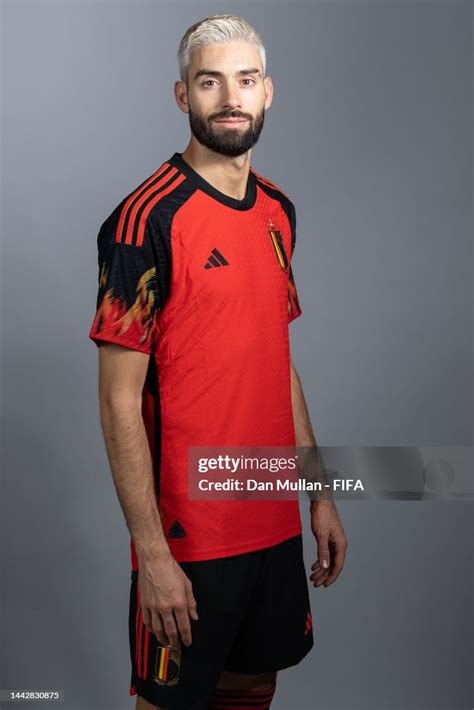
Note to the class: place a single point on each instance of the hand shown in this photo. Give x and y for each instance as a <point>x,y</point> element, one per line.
<point>332,543</point>
<point>167,600</point>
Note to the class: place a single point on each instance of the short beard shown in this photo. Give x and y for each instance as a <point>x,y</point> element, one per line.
<point>231,142</point>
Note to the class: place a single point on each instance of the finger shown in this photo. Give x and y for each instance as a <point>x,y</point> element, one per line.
<point>336,569</point>
<point>319,579</point>
<point>171,630</point>
<point>146,616</point>
<point>157,627</point>
<point>182,620</point>
<point>324,557</point>
<point>332,577</point>
<point>191,601</point>
<point>320,572</point>
<point>317,570</point>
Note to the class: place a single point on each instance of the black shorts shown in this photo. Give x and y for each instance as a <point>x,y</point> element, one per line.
<point>254,617</point>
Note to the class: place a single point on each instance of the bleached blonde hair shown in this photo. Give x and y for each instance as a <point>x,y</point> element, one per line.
<point>215,29</point>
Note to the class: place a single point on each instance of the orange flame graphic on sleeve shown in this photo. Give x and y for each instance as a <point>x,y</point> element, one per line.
<point>113,317</point>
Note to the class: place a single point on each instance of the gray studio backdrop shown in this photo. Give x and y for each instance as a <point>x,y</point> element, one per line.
<point>370,134</point>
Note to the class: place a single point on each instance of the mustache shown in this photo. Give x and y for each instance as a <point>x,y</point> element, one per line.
<point>231,115</point>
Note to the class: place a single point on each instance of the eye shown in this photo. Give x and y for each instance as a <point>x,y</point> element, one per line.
<point>250,80</point>
<point>208,82</point>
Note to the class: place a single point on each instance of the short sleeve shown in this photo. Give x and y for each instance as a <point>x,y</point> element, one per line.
<point>294,308</point>
<point>127,300</point>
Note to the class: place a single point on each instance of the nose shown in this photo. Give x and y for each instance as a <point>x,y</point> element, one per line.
<point>230,97</point>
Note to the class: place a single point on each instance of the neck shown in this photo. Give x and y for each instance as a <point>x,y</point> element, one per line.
<point>228,175</point>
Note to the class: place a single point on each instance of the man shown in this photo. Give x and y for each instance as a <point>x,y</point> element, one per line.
<point>195,295</point>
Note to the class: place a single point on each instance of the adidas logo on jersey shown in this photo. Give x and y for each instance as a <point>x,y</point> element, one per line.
<point>215,259</point>
<point>176,530</point>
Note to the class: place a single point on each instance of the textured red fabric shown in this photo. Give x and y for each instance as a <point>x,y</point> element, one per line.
<point>223,363</point>
<point>220,344</point>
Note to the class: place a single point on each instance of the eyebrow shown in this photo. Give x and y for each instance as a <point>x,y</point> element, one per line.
<point>212,72</point>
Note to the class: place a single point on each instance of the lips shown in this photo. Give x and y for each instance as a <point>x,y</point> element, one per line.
<point>233,121</point>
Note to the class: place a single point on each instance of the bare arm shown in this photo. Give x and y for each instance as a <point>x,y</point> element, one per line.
<point>165,592</point>
<point>304,432</point>
<point>305,438</point>
<point>121,378</point>
<point>325,522</point>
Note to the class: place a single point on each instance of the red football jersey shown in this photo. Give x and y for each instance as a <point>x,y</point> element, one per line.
<point>203,283</point>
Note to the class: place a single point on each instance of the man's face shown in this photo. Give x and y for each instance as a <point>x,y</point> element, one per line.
<point>227,97</point>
